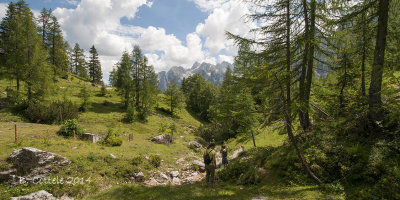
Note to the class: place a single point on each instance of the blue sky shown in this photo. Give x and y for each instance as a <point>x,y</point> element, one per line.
<point>170,32</point>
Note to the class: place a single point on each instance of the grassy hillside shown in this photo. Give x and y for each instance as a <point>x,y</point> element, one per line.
<point>109,177</point>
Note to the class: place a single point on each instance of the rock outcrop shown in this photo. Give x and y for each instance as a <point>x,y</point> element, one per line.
<point>30,165</point>
<point>196,145</point>
<point>41,195</point>
<point>162,139</point>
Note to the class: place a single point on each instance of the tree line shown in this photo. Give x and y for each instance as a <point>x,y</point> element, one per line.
<point>35,51</point>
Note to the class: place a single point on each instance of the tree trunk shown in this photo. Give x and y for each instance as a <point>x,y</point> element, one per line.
<point>364,52</point>
<point>303,67</point>
<point>375,101</point>
<point>310,68</point>
<point>254,139</point>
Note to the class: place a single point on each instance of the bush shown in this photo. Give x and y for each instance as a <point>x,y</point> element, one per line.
<point>53,112</point>
<point>67,128</point>
<point>234,172</point>
<point>112,138</point>
<point>103,91</point>
<point>137,160</point>
<point>130,114</point>
<point>85,95</point>
<point>155,161</point>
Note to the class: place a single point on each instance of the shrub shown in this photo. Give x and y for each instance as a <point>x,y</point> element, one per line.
<point>233,172</point>
<point>84,94</point>
<point>67,128</point>
<point>137,160</point>
<point>130,114</point>
<point>53,112</point>
<point>103,91</point>
<point>112,138</point>
<point>155,161</point>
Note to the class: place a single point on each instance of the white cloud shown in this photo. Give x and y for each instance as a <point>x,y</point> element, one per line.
<point>208,5</point>
<point>3,10</point>
<point>97,22</point>
<point>229,16</point>
<point>222,58</point>
<point>73,2</point>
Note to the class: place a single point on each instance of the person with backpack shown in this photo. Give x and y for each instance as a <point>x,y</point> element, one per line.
<point>224,153</point>
<point>210,163</point>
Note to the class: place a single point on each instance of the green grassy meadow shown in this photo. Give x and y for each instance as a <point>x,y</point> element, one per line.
<point>108,178</point>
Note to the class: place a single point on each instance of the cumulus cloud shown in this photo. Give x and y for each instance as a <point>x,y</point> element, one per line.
<point>208,5</point>
<point>228,16</point>
<point>3,10</point>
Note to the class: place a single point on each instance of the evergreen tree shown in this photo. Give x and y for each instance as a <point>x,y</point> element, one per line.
<point>175,97</point>
<point>26,56</point>
<point>79,64</point>
<point>200,95</point>
<point>95,73</point>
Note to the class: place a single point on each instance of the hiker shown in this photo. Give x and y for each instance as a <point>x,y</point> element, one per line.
<point>224,153</point>
<point>210,163</point>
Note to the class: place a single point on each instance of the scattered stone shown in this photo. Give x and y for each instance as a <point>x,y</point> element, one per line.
<point>330,198</point>
<point>41,195</point>
<point>174,174</point>
<point>146,157</point>
<point>199,165</point>
<point>176,181</point>
<point>164,176</point>
<point>112,156</point>
<point>151,182</point>
<point>139,177</point>
<point>236,153</point>
<point>195,144</point>
<point>94,138</point>
<point>74,147</point>
<point>180,160</point>
<point>29,164</point>
<point>259,198</point>
<point>65,197</point>
<point>161,139</point>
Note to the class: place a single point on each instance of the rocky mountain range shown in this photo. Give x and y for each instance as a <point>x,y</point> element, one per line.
<point>214,73</point>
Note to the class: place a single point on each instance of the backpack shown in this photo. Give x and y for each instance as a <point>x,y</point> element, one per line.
<point>224,153</point>
<point>206,157</point>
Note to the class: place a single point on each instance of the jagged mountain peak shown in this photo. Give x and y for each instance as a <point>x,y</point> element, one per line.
<point>214,73</point>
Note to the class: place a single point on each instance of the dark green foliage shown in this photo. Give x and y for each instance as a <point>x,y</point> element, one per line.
<point>52,112</point>
<point>175,96</point>
<point>112,138</point>
<point>95,73</point>
<point>103,91</point>
<point>155,160</point>
<point>130,114</point>
<point>137,160</point>
<point>200,95</point>
<point>67,128</point>
<point>136,82</point>
<point>85,95</point>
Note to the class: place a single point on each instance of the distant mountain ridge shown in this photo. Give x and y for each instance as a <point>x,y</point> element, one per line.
<point>213,73</point>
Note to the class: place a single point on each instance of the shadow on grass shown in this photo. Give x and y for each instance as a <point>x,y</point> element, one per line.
<point>190,191</point>
<point>196,116</point>
<point>106,107</point>
<point>166,113</point>
<point>198,191</point>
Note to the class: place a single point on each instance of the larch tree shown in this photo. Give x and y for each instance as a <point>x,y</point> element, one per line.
<point>94,66</point>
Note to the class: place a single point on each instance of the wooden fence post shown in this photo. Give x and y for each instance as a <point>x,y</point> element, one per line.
<point>16,134</point>
<point>73,131</point>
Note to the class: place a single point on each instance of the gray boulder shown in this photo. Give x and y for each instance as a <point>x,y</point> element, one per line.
<point>199,165</point>
<point>139,177</point>
<point>30,165</point>
<point>174,174</point>
<point>195,144</point>
<point>93,138</point>
<point>41,195</point>
<point>161,139</point>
